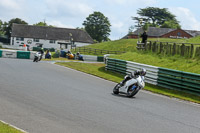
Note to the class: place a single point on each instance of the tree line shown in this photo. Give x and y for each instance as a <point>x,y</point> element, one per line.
<point>98,26</point>
<point>6,27</point>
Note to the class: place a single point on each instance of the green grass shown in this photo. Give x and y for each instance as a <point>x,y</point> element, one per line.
<point>5,128</point>
<point>195,40</point>
<point>99,70</point>
<point>130,44</point>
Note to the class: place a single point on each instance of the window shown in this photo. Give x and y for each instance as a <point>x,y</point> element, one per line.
<point>52,41</point>
<point>179,34</point>
<point>36,40</point>
<point>20,38</point>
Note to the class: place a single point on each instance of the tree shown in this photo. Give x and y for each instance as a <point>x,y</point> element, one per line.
<point>171,24</point>
<point>41,24</point>
<point>80,28</point>
<point>1,28</point>
<point>156,17</point>
<point>8,26</point>
<point>97,26</point>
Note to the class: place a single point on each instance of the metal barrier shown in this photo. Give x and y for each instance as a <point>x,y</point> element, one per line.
<point>184,81</point>
<point>167,78</point>
<point>93,58</point>
<point>5,53</point>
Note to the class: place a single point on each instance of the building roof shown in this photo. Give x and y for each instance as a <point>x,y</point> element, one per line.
<point>153,31</point>
<point>50,33</point>
<point>193,32</point>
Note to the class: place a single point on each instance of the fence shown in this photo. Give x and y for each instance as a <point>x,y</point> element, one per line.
<point>169,48</point>
<point>96,51</point>
<point>167,78</point>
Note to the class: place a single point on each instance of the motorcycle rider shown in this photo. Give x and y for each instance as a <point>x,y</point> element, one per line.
<point>42,53</point>
<point>142,72</point>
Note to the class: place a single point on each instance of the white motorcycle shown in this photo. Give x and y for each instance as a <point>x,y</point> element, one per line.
<point>131,86</point>
<point>37,57</point>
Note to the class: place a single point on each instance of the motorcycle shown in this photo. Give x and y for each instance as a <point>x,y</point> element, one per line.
<point>131,86</point>
<point>37,57</point>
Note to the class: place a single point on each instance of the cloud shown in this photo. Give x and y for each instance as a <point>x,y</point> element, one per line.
<point>10,4</point>
<point>117,25</point>
<point>67,8</point>
<point>59,24</point>
<point>11,8</point>
<point>132,2</point>
<point>186,18</point>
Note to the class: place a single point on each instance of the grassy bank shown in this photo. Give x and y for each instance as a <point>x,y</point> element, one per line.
<point>171,62</point>
<point>99,70</point>
<point>5,128</point>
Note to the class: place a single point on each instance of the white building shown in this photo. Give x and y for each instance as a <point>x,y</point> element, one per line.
<point>48,37</point>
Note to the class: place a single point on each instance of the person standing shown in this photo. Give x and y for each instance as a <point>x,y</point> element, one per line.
<point>144,37</point>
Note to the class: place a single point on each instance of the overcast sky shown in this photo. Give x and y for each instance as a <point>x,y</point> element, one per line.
<point>72,13</point>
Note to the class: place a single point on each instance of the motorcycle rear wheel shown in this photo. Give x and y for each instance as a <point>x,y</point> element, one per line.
<point>130,92</point>
<point>116,89</point>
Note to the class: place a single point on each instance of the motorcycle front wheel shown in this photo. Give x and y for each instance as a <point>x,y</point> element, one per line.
<point>130,92</point>
<point>116,89</point>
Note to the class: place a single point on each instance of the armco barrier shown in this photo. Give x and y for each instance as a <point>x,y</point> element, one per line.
<point>9,53</point>
<point>126,67</point>
<point>93,58</point>
<point>116,65</point>
<point>184,81</point>
<point>23,54</point>
<point>152,72</point>
<point>5,53</point>
<point>167,78</point>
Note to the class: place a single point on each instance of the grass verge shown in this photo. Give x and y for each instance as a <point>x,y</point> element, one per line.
<point>5,128</point>
<point>98,69</point>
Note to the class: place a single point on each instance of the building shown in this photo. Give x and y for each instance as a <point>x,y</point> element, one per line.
<point>48,37</point>
<point>154,32</point>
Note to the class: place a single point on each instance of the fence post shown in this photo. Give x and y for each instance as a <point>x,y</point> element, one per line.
<point>174,49</point>
<point>197,53</point>
<point>154,47</point>
<point>79,49</point>
<point>167,49</point>
<point>192,51</point>
<point>150,44</point>
<point>161,48</point>
<point>170,49</point>
<point>183,49</point>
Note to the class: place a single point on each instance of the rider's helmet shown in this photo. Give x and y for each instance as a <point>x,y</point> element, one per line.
<point>143,72</point>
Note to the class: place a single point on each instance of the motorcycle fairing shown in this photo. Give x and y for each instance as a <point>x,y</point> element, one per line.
<point>127,84</point>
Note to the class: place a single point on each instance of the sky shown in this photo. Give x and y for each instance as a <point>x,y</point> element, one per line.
<point>72,13</point>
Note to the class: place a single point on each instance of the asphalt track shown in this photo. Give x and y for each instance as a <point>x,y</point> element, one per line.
<point>47,98</point>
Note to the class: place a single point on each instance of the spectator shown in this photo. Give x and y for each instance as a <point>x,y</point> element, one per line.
<point>48,55</point>
<point>79,56</point>
<point>144,37</point>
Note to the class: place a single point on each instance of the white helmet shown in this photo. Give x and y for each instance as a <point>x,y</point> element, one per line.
<point>143,72</point>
